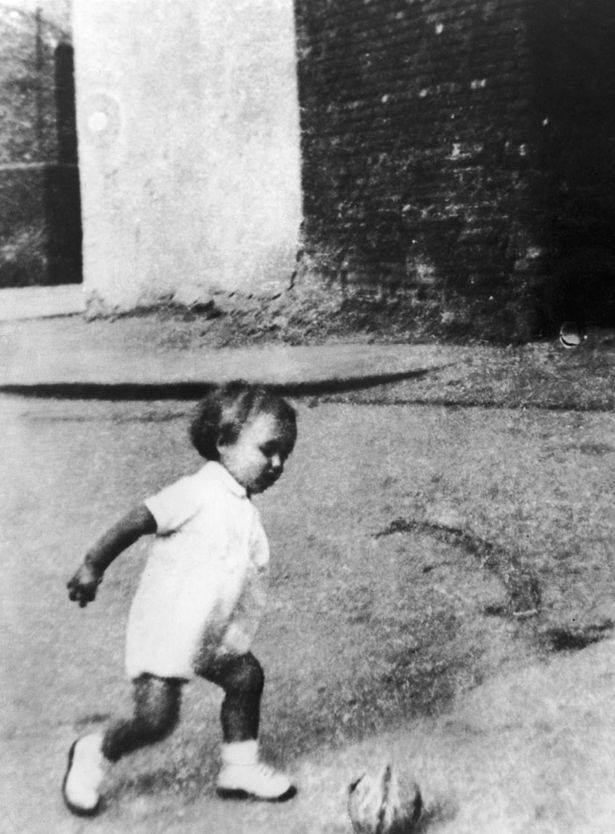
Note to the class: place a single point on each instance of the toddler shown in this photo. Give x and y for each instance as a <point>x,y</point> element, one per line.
<point>200,598</point>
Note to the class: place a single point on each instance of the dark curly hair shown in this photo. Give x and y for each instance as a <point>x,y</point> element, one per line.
<point>221,415</point>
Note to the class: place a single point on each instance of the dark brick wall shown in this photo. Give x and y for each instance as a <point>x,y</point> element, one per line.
<point>573,175</point>
<point>40,223</point>
<point>427,163</point>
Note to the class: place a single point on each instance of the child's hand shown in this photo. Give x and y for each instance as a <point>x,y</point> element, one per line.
<point>84,584</point>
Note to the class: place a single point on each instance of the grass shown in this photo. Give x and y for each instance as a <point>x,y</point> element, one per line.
<point>417,552</point>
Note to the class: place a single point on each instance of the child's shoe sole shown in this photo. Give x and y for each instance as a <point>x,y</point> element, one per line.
<point>75,809</point>
<point>236,793</point>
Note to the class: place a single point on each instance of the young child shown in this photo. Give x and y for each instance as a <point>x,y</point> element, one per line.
<point>200,597</point>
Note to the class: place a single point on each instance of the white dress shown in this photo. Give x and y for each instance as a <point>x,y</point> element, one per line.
<point>203,588</point>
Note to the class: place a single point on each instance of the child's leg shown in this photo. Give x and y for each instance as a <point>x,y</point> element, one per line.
<point>156,711</point>
<point>242,775</point>
<point>242,679</point>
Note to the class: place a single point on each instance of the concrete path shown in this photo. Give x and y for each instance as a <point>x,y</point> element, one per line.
<point>170,357</point>
<point>142,352</point>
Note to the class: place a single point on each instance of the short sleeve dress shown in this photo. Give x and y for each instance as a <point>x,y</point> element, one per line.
<point>203,589</point>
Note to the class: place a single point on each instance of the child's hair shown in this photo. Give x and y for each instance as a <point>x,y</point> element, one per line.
<point>223,413</point>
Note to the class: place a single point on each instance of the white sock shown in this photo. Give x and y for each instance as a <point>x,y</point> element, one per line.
<point>240,752</point>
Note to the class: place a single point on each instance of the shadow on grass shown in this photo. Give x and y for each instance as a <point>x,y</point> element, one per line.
<point>561,639</point>
<point>195,390</point>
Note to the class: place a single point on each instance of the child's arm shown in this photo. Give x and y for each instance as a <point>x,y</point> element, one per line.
<point>83,585</point>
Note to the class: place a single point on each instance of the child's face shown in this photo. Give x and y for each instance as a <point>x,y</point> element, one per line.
<point>256,459</point>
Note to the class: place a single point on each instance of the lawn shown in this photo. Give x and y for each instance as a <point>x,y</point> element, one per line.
<point>416,550</point>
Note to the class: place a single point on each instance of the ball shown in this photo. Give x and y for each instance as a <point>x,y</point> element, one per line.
<point>570,335</point>
<point>382,802</point>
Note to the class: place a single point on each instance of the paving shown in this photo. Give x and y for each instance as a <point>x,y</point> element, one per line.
<point>175,357</point>
<point>70,351</point>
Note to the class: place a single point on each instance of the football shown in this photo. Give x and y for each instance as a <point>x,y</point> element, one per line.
<point>570,335</point>
<point>384,802</point>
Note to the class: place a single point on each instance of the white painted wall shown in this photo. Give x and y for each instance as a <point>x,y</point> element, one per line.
<point>188,132</point>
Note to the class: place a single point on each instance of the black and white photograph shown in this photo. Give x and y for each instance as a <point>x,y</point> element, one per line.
<point>307,379</point>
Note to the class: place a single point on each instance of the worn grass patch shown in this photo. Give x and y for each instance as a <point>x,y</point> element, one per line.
<point>520,581</point>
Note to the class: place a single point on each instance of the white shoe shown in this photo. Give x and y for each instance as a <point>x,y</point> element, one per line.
<point>256,781</point>
<point>244,777</point>
<point>84,774</point>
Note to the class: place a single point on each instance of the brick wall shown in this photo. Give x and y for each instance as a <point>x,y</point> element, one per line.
<point>40,224</point>
<point>573,175</point>
<point>427,162</point>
